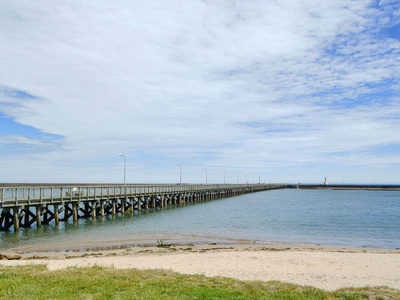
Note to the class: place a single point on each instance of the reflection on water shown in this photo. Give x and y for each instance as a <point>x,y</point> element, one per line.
<point>347,218</point>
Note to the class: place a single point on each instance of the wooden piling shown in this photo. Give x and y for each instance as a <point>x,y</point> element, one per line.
<point>114,207</point>
<point>123,206</point>
<point>93,210</point>
<point>26,217</point>
<point>16,218</point>
<point>102,209</point>
<point>38,216</point>
<point>75,212</point>
<point>56,214</point>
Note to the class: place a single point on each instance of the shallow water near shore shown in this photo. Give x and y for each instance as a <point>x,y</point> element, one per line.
<point>329,217</point>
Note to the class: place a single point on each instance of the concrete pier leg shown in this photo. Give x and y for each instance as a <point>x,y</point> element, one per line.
<point>38,216</point>
<point>16,218</point>
<point>56,214</point>
<point>131,206</point>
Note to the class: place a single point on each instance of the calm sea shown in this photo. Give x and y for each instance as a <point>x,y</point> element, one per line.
<point>329,217</point>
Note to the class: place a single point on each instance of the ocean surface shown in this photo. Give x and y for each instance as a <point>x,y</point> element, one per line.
<point>353,218</point>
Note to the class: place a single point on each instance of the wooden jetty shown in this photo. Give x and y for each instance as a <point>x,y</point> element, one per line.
<point>26,205</point>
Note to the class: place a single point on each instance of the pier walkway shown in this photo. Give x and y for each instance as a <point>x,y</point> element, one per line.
<point>30,204</point>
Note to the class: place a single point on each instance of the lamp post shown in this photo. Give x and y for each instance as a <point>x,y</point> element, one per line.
<point>180,173</point>
<point>224,177</point>
<point>206,173</point>
<point>124,168</point>
<point>237,178</point>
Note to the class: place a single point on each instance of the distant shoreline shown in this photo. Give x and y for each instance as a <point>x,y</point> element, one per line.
<point>355,188</point>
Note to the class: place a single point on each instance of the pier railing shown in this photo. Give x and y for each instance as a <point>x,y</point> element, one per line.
<point>22,195</point>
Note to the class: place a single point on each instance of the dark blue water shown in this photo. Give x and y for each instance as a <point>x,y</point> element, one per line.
<point>329,217</point>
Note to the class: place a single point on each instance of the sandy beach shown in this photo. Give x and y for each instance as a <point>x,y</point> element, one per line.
<point>324,267</point>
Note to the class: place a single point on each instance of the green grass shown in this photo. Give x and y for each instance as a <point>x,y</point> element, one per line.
<point>35,282</point>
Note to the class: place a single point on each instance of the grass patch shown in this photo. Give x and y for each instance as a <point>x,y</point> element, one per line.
<point>36,282</point>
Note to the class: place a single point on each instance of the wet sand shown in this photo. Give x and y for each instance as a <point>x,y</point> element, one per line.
<point>324,267</point>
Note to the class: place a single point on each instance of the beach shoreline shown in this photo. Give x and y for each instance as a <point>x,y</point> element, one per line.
<point>325,267</point>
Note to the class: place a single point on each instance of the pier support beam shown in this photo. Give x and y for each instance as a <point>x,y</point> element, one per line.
<point>26,217</point>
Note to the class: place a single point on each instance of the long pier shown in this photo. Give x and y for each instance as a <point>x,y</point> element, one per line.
<point>30,204</point>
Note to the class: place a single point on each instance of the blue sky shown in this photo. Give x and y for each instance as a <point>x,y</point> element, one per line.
<point>284,91</point>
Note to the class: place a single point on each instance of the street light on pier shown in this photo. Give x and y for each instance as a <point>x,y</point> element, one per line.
<point>206,173</point>
<point>124,168</point>
<point>180,173</point>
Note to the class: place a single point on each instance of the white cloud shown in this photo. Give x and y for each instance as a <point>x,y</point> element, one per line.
<point>224,83</point>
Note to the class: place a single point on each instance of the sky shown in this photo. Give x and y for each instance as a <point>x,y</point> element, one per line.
<point>234,91</point>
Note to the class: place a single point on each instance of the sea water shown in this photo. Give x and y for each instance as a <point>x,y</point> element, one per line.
<point>355,218</point>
